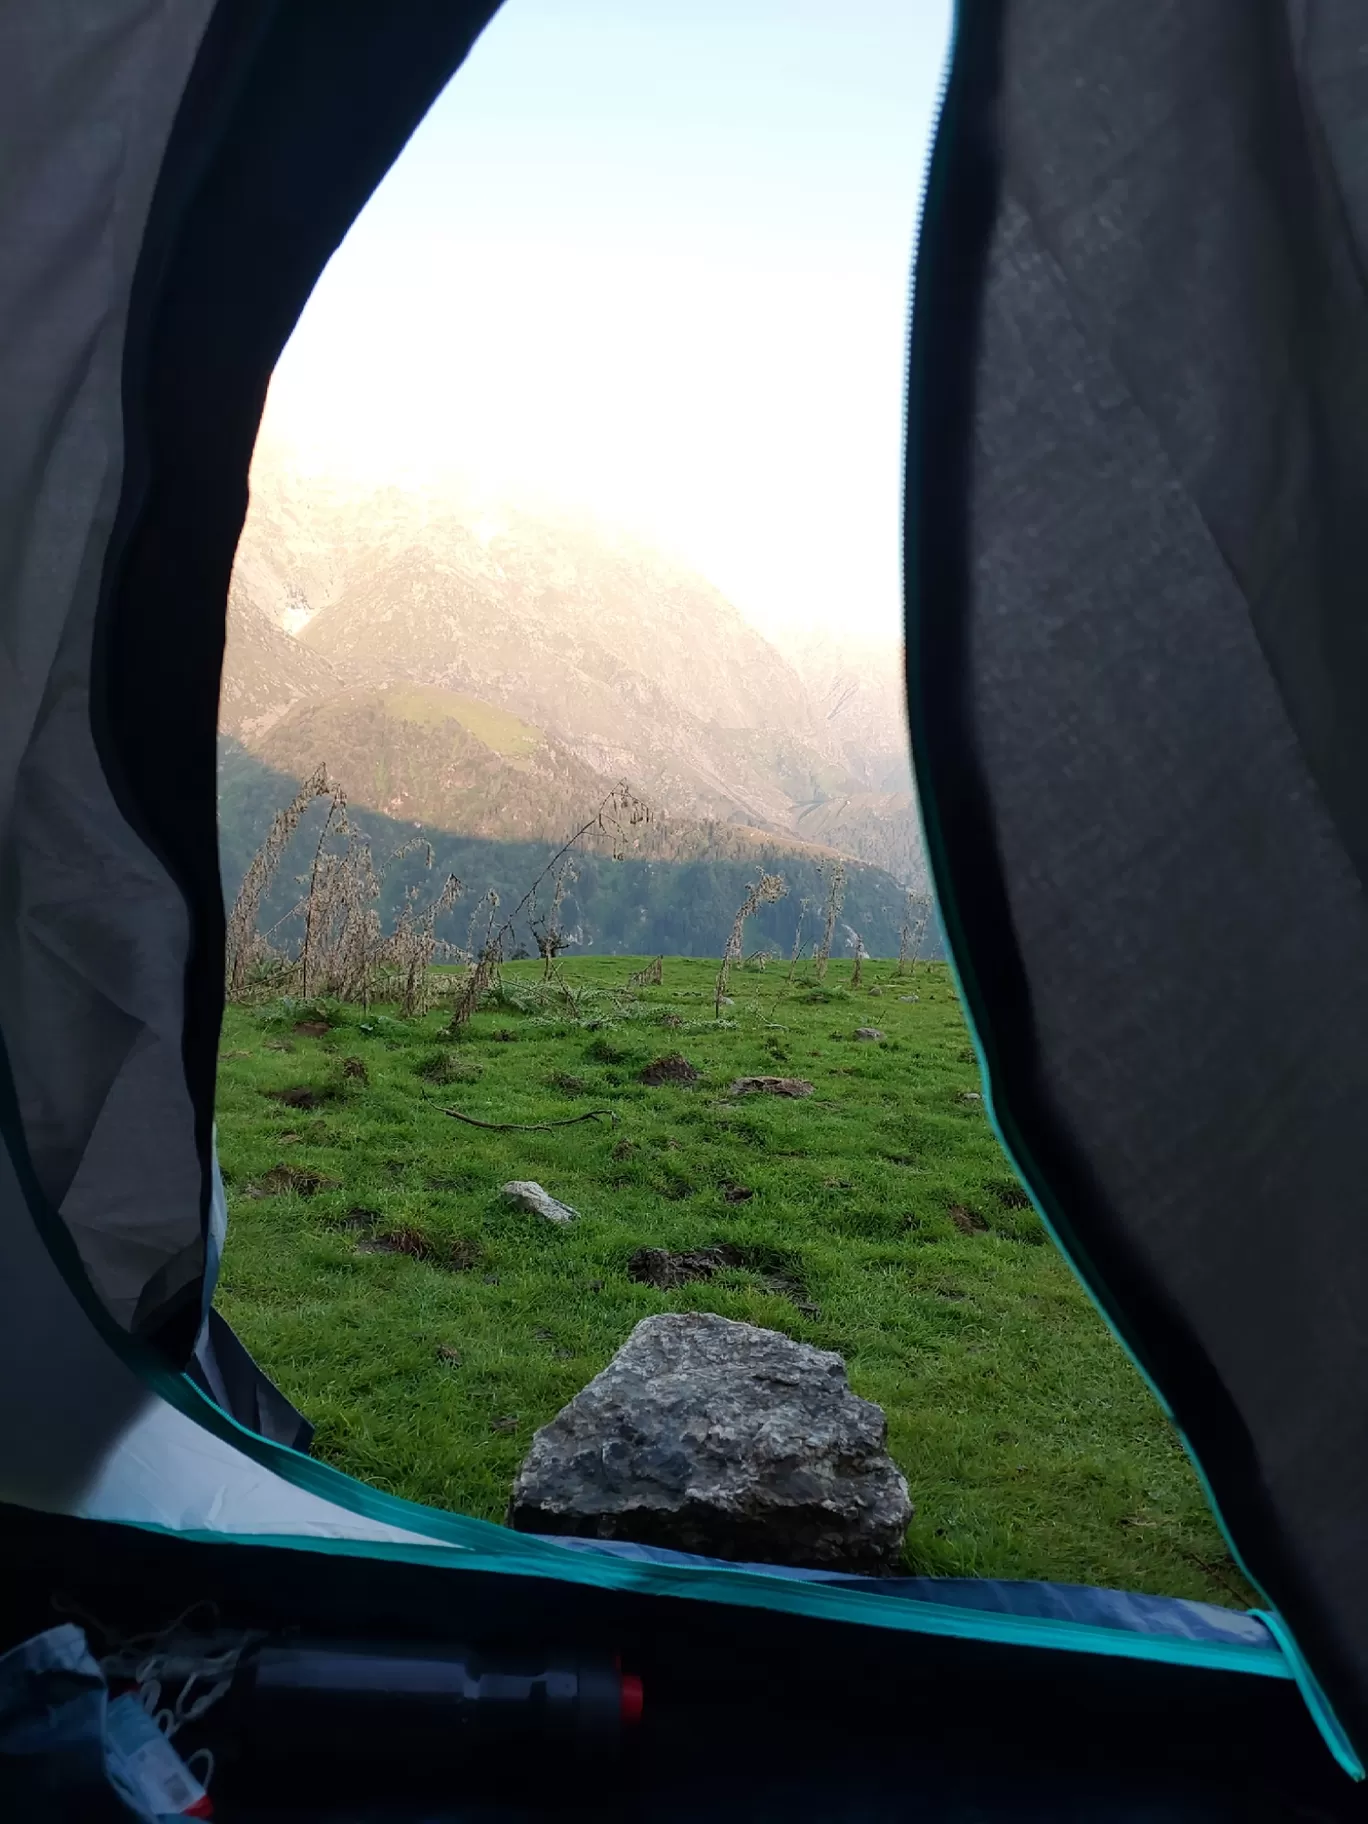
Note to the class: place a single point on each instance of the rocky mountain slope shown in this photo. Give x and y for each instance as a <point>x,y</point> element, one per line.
<point>621,663</point>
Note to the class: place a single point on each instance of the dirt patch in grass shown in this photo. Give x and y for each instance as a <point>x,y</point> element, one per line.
<point>446,1067</point>
<point>567,1085</point>
<point>665,1270</point>
<point>659,1267</point>
<point>967,1221</point>
<point>603,1051</point>
<point>1011,1196</point>
<point>301,1096</point>
<point>793,1087</point>
<point>675,1069</point>
<point>354,1070</point>
<point>454,1257</point>
<point>312,1029</point>
<point>735,1193</point>
<point>283,1178</point>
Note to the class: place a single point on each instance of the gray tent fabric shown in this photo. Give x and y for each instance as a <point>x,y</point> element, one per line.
<point>1138,672</point>
<point>93,937</point>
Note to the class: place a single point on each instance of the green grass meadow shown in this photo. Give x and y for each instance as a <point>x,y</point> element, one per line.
<point>428,1329</point>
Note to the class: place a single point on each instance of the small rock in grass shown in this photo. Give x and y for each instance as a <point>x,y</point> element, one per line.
<point>869,1033</point>
<point>445,1353</point>
<point>722,1438</point>
<point>737,1193</point>
<point>525,1194</point>
<point>970,1095</point>
<point>770,1086</point>
<point>510,1423</point>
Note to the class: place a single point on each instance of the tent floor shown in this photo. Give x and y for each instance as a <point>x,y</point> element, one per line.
<point>748,1715</point>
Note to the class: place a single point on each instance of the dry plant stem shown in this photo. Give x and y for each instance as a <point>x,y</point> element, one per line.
<point>911,935</point>
<point>243,946</point>
<point>803,905</point>
<point>622,802</point>
<point>835,900</point>
<point>312,907</point>
<point>532,1127</point>
<point>550,939</point>
<point>763,892</point>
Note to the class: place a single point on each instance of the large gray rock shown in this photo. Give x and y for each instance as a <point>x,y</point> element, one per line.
<point>717,1437</point>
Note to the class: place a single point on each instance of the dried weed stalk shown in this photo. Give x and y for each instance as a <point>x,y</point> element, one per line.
<point>763,892</point>
<point>345,952</point>
<point>247,950</point>
<point>798,945</point>
<point>910,938</point>
<point>619,812</point>
<point>548,932</point>
<point>834,901</point>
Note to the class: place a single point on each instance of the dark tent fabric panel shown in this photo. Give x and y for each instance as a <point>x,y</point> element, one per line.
<point>1138,661</point>
<point>292,115</point>
<point>223,1369</point>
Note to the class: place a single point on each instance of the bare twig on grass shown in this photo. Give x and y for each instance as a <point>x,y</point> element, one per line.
<point>532,1127</point>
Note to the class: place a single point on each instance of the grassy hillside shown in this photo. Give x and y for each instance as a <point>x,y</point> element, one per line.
<point>428,1330</point>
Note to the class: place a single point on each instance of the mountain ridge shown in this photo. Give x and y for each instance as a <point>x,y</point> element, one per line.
<point>628,665</point>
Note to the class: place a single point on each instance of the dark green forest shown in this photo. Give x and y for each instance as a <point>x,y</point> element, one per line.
<point>631,907</point>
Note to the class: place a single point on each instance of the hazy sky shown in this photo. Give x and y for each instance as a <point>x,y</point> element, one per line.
<point>653,256</point>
